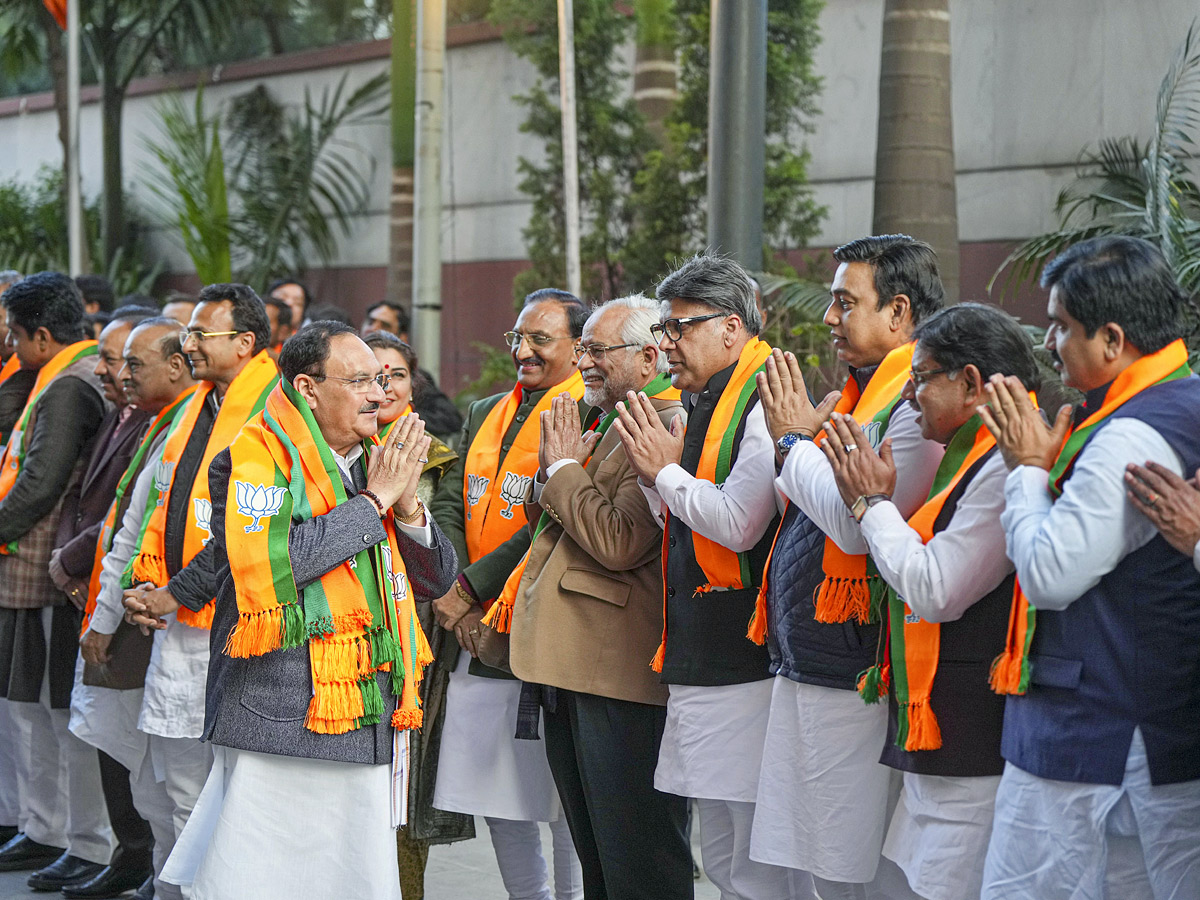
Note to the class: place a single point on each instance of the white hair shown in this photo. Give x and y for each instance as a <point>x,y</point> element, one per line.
<point>643,312</point>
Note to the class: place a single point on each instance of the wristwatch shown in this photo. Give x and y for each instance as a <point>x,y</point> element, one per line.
<point>863,503</point>
<point>790,440</point>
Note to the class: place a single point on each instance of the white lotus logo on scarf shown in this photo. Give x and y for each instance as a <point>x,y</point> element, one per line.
<point>872,431</point>
<point>203,510</point>
<point>15,443</point>
<point>513,491</point>
<point>162,479</point>
<point>398,579</point>
<point>257,502</point>
<point>477,486</point>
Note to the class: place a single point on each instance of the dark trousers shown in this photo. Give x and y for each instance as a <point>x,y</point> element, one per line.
<point>629,836</point>
<point>135,841</point>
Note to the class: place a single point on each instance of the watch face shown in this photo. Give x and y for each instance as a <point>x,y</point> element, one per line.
<point>788,441</point>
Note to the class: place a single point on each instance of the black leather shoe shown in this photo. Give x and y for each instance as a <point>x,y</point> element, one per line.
<point>109,882</point>
<point>65,871</point>
<point>146,891</point>
<point>7,833</point>
<point>25,853</point>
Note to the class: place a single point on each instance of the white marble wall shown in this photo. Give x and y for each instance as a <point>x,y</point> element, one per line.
<point>1033,83</point>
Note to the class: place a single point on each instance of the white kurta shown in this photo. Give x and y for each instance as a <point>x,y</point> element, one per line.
<point>482,769</point>
<point>271,827</point>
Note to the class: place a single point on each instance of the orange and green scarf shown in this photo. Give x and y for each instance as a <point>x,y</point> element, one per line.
<point>385,430</point>
<point>494,489</point>
<point>357,619</point>
<point>499,616</point>
<point>14,454</point>
<point>1010,670</point>
<point>851,587</point>
<point>117,510</point>
<point>246,395</point>
<point>910,655</point>
<point>9,369</point>
<point>723,569</point>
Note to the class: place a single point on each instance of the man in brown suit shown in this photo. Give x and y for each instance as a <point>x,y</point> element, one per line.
<point>587,620</point>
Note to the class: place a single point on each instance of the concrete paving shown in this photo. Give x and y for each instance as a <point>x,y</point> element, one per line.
<point>462,871</point>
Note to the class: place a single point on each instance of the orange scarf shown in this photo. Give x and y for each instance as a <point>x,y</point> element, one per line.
<point>13,365</point>
<point>385,430</point>
<point>910,658</point>
<point>486,484</point>
<point>14,454</point>
<point>117,509</point>
<point>846,590</point>
<point>1010,670</point>
<point>357,619</point>
<point>722,568</point>
<point>499,616</point>
<point>246,395</point>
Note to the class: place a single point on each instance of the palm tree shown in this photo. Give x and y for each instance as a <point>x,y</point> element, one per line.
<point>1123,186</point>
<point>914,160</point>
<point>654,69</point>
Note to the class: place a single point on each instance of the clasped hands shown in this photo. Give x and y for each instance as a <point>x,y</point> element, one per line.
<point>650,446</point>
<point>560,436</point>
<point>147,606</point>
<point>1020,431</point>
<point>395,466</point>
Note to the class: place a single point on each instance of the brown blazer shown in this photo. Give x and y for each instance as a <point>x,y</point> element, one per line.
<point>589,610</point>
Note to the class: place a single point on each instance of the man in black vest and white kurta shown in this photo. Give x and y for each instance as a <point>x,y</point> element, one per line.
<point>715,483</point>
<point>1102,721</point>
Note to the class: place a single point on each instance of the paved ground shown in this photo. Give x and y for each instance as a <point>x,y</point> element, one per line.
<point>463,871</point>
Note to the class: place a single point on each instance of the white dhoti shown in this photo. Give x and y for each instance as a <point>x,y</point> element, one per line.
<point>823,795</point>
<point>939,833</point>
<point>484,770</point>
<point>107,720</point>
<point>270,827</point>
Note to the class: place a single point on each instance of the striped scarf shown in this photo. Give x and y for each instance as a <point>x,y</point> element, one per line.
<point>357,619</point>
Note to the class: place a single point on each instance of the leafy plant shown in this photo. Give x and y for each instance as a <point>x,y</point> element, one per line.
<point>279,188</point>
<point>1123,186</point>
<point>33,234</point>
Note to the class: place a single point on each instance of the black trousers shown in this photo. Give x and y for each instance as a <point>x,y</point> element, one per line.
<point>135,841</point>
<point>629,836</point>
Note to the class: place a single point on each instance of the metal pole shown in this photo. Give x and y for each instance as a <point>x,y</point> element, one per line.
<point>74,197</point>
<point>737,88</point>
<point>427,230</point>
<point>570,140</point>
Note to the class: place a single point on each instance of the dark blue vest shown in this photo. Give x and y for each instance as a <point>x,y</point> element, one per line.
<point>1126,654</point>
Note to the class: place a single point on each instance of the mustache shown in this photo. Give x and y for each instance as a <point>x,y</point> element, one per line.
<point>369,408</point>
<point>531,359</point>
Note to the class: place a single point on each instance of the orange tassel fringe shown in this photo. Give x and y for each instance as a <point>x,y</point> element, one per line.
<point>843,599</point>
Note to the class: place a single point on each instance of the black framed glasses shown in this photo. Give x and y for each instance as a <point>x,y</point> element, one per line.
<point>535,339</point>
<point>673,328</point>
<point>597,351</point>
<point>920,378</point>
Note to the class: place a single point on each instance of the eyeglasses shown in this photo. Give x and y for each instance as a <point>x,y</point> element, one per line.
<point>202,336</point>
<point>362,384</point>
<point>920,378</point>
<point>673,328</point>
<point>536,339</point>
<point>597,351</point>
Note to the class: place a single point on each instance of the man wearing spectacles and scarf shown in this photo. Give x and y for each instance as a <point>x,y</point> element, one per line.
<point>171,581</point>
<point>480,505</point>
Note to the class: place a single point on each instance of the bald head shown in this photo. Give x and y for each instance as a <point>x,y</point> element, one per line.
<point>156,371</point>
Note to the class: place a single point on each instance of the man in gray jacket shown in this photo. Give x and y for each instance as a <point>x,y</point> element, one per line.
<point>289,811</point>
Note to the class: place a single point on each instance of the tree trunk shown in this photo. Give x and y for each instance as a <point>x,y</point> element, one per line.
<point>654,69</point>
<point>915,192</point>
<point>400,242</point>
<point>404,109</point>
<point>112,202</point>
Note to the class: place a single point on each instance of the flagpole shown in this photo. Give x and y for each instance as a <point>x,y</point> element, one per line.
<point>74,197</point>
<point>570,142</point>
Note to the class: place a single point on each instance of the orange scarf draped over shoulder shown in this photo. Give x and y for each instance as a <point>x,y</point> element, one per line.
<point>357,619</point>
<point>13,460</point>
<point>1011,669</point>
<point>245,397</point>
<point>494,490</point>
<point>723,569</point>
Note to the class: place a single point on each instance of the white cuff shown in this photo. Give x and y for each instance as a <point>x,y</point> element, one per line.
<point>422,534</point>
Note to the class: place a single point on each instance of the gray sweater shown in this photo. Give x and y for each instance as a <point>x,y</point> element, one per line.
<point>259,703</point>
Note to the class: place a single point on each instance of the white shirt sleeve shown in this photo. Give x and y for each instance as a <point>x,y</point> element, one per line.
<point>960,565</point>
<point>1062,548</point>
<point>109,609</point>
<point>737,513</point>
<point>807,480</point>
